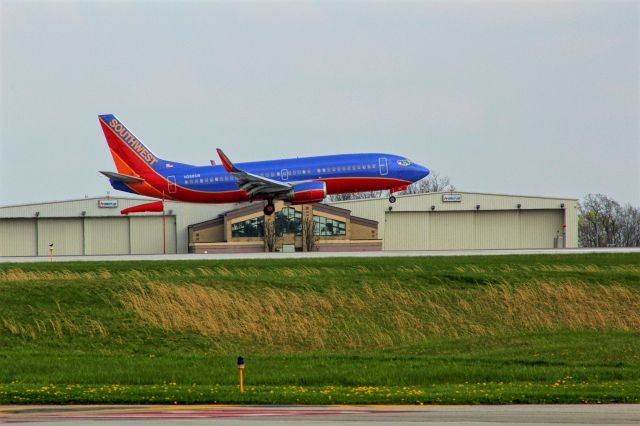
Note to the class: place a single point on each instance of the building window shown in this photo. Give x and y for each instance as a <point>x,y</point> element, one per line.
<point>289,221</point>
<point>248,228</point>
<point>328,227</point>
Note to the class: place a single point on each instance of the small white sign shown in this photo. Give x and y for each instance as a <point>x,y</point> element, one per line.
<point>451,198</point>
<point>107,204</point>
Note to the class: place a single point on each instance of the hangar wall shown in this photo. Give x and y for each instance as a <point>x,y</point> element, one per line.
<point>473,221</point>
<point>415,222</point>
<point>95,226</point>
<point>18,237</point>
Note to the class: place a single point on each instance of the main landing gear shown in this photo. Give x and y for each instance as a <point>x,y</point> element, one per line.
<point>269,208</point>
<point>392,199</point>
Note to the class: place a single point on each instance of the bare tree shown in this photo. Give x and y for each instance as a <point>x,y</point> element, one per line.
<point>435,182</point>
<point>432,183</point>
<point>271,237</point>
<point>602,222</point>
<point>630,226</point>
<point>356,196</point>
<point>309,237</point>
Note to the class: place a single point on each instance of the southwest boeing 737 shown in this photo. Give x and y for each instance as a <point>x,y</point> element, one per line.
<point>296,180</point>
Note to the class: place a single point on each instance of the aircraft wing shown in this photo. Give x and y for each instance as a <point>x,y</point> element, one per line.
<point>254,185</point>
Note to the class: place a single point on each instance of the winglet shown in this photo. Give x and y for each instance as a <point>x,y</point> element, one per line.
<point>228,165</point>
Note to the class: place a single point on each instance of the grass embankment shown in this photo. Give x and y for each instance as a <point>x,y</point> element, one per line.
<point>368,330</point>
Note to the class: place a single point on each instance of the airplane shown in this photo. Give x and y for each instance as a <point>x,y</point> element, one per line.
<point>295,180</point>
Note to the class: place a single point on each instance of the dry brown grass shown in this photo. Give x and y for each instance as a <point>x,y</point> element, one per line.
<point>383,315</point>
<point>506,268</point>
<point>57,325</point>
<point>19,275</point>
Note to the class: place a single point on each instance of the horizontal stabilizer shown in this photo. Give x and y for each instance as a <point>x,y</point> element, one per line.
<point>119,177</point>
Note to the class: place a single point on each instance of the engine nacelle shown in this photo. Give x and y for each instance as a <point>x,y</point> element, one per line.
<point>307,192</point>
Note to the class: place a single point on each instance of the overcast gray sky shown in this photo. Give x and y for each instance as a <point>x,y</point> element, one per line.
<point>535,98</point>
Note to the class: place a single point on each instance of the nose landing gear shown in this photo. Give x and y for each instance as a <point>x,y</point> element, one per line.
<point>392,198</point>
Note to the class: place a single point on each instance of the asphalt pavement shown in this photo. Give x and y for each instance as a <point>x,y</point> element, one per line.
<point>310,255</point>
<point>238,415</point>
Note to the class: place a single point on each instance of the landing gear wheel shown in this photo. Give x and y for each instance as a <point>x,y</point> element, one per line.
<point>392,199</point>
<point>269,209</point>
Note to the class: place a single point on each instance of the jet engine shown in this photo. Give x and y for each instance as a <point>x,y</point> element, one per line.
<point>307,192</point>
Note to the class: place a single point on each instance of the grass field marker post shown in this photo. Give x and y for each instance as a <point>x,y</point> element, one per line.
<point>241,370</point>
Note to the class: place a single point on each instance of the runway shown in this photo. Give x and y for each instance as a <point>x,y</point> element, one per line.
<point>613,414</point>
<point>310,255</point>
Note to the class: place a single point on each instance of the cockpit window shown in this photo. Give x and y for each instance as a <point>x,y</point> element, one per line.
<point>405,162</point>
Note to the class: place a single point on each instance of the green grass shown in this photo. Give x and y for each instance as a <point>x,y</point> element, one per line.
<point>499,329</point>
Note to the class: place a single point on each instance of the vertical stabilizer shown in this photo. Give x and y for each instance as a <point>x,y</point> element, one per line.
<point>131,156</point>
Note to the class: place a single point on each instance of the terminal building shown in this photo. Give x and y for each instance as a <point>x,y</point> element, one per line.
<point>433,221</point>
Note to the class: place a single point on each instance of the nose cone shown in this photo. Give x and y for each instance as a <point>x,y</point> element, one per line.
<point>420,172</point>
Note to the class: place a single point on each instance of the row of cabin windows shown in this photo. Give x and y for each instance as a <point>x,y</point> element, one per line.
<point>297,172</point>
<point>300,172</point>
<point>225,178</point>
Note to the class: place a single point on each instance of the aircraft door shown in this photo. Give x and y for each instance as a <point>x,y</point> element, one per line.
<point>172,184</point>
<point>384,170</point>
<point>284,174</point>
